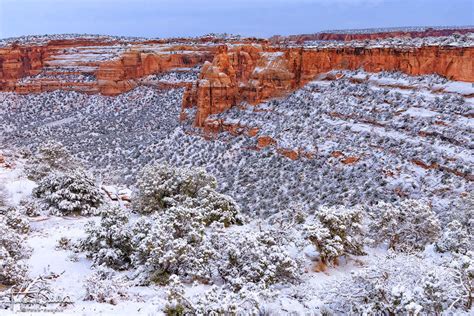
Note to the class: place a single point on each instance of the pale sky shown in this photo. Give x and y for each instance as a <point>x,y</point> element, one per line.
<point>167,18</point>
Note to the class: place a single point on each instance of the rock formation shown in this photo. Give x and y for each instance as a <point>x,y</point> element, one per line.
<point>117,76</point>
<point>233,71</point>
<point>256,73</point>
<point>91,66</point>
<point>371,35</point>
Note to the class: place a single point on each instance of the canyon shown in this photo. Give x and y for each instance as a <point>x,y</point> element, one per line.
<point>253,75</point>
<point>279,131</point>
<point>232,71</point>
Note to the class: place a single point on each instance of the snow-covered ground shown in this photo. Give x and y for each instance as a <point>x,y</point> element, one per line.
<point>371,138</point>
<point>71,269</point>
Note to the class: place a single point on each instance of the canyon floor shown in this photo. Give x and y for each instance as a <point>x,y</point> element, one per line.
<point>373,144</point>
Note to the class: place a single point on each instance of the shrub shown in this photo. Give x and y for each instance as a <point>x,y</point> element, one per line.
<point>108,243</point>
<point>30,207</point>
<point>463,270</point>
<point>51,157</point>
<point>396,285</point>
<point>215,301</point>
<point>161,186</point>
<point>63,243</point>
<point>104,287</point>
<point>248,258</point>
<point>409,226</point>
<point>336,231</point>
<point>69,193</point>
<point>176,241</point>
<point>12,251</point>
<point>458,235</point>
<point>15,219</point>
<point>172,242</point>
<point>3,202</point>
<point>182,237</point>
<point>455,238</point>
<point>11,271</point>
<point>217,207</point>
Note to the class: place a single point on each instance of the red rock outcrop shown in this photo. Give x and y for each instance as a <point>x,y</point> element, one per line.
<point>59,64</point>
<point>117,76</point>
<point>231,73</point>
<point>243,73</point>
<point>254,73</point>
<point>20,61</point>
<point>17,62</point>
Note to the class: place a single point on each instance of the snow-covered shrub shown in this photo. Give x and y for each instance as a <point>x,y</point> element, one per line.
<point>12,253</point>
<point>220,301</point>
<point>104,286</point>
<point>13,225</point>
<point>176,241</point>
<point>51,157</point>
<point>63,243</point>
<point>463,270</point>
<point>396,285</point>
<point>458,236</point>
<point>30,207</point>
<point>11,270</point>
<point>108,242</point>
<point>408,226</point>
<point>69,193</point>
<point>248,257</point>
<point>3,202</point>
<point>217,207</point>
<point>215,301</point>
<point>336,231</point>
<point>15,219</point>
<point>455,238</point>
<point>433,301</point>
<point>160,186</point>
<point>176,304</point>
<point>171,242</point>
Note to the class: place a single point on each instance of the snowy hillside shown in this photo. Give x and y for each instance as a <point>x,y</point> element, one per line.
<point>351,195</point>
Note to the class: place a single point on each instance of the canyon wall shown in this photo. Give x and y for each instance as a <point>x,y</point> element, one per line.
<point>22,61</point>
<point>117,76</point>
<point>254,73</point>
<point>232,71</point>
<point>105,67</point>
<point>353,36</point>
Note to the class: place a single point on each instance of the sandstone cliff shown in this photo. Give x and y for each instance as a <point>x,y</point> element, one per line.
<point>256,73</point>
<point>92,66</point>
<point>231,73</point>
<point>118,76</point>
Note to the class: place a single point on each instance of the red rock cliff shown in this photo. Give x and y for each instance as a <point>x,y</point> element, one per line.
<point>254,73</point>
<point>117,76</point>
<point>111,67</point>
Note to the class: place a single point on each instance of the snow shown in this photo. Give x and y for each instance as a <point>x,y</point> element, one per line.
<point>413,111</point>
<point>46,259</point>
<point>15,184</point>
<point>464,88</point>
<point>381,124</point>
<point>60,122</point>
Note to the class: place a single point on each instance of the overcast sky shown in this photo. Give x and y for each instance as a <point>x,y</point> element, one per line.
<point>166,18</point>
